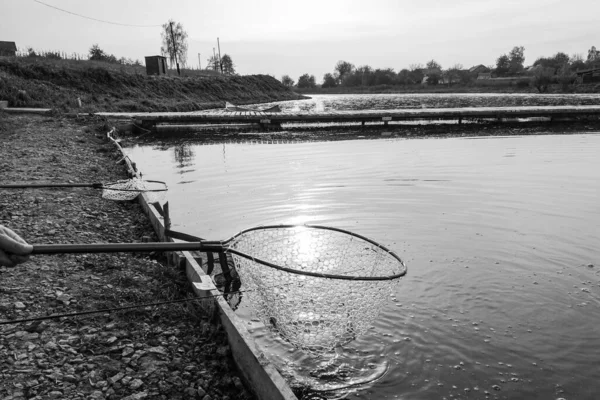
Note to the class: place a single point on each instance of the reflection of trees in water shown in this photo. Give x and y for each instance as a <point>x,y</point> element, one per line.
<point>184,155</point>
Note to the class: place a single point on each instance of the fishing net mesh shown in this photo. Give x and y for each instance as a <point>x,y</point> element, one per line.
<point>129,189</point>
<point>315,314</point>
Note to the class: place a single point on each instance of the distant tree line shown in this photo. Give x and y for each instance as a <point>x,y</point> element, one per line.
<point>225,64</point>
<point>559,68</point>
<point>95,54</point>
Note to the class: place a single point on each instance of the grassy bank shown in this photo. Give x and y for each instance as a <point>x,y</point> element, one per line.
<point>107,87</point>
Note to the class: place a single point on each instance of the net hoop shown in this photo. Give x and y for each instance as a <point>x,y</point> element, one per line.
<point>230,248</point>
<point>118,185</point>
<point>324,286</point>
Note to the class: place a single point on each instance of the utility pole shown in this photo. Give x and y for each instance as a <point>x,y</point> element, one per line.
<point>174,48</point>
<point>220,63</point>
<point>214,59</point>
<point>199,62</point>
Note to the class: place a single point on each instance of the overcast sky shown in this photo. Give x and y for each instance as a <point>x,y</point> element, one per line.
<point>279,37</point>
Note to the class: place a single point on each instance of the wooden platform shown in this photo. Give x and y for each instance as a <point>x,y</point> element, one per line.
<point>225,116</point>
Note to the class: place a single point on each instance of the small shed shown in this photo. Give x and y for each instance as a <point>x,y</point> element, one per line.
<point>588,75</point>
<point>8,49</point>
<point>156,65</point>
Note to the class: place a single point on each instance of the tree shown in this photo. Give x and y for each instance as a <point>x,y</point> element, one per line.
<point>577,62</point>
<point>541,78</point>
<point>433,78</point>
<point>561,58</point>
<point>227,65</point>
<point>287,81</point>
<point>362,76</point>
<point>417,72</point>
<point>212,63</point>
<point>565,77</point>
<point>97,54</point>
<point>307,81</point>
<point>465,77</point>
<point>454,73</point>
<point>329,81</point>
<point>593,54</point>
<point>502,65</point>
<point>433,66</point>
<point>404,76</point>
<point>342,69</point>
<point>556,62</point>
<point>517,59</point>
<point>384,76</point>
<point>174,43</point>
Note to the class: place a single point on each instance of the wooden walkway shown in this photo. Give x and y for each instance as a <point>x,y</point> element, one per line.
<point>224,116</point>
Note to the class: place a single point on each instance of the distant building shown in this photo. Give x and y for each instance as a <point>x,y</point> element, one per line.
<point>484,75</point>
<point>588,75</point>
<point>8,49</point>
<point>156,65</point>
<point>478,69</point>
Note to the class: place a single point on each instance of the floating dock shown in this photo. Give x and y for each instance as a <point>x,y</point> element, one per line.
<point>224,116</point>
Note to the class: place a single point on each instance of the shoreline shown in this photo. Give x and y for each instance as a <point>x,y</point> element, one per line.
<point>166,352</point>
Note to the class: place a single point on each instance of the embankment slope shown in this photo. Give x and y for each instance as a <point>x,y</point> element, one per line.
<point>102,87</point>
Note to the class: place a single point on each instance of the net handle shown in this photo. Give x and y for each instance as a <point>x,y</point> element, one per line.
<point>218,246</point>
<point>189,246</point>
<point>49,185</point>
<point>105,186</point>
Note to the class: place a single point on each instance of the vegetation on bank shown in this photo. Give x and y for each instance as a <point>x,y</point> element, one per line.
<point>104,86</point>
<point>559,72</point>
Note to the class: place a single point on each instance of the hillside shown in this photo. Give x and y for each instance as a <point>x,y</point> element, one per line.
<point>104,87</point>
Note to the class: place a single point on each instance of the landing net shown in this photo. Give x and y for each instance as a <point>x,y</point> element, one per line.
<point>129,189</point>
<point>355,277</point>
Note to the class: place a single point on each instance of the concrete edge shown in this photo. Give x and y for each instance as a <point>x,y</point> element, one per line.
<point>259,375</point>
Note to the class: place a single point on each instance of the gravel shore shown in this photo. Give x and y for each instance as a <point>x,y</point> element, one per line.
<point>159,352</point>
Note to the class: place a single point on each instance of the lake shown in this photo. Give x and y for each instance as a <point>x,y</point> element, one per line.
<point>500,235</point>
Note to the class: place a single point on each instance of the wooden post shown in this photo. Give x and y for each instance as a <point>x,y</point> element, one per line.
<point>167,217</point>
<point>224,265</point>
<point>220,63</point>
<point>215,59</point>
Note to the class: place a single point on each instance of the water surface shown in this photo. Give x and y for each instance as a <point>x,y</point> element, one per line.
<point>501,237</point>
<point>387,101</point>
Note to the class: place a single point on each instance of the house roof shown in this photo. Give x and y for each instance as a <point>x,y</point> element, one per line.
<point>476,67</point>
<point>10,46</point>
<point>587,71</point>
